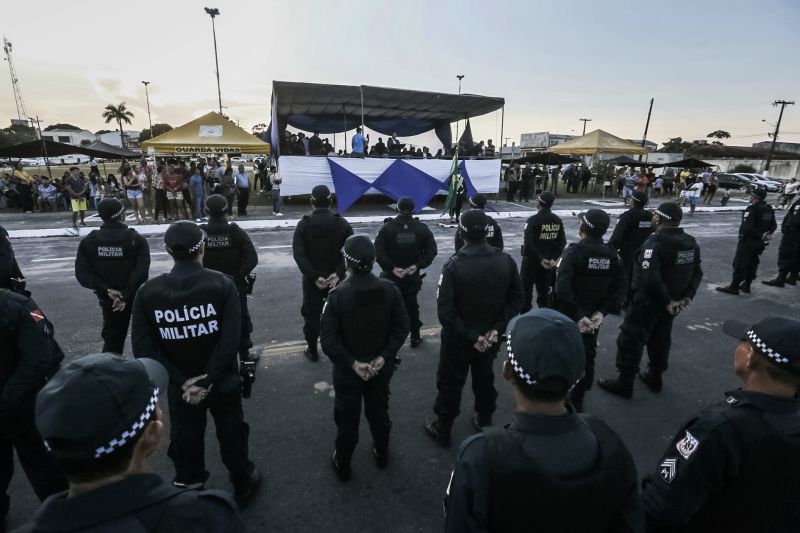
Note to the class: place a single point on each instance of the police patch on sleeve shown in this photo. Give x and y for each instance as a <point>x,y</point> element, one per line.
<point>687,445</point>
<point>668,469</point>
<point>648,253</point>
<point>645,264</point>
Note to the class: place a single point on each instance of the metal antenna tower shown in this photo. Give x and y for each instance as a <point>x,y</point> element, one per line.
<point>22,113</point>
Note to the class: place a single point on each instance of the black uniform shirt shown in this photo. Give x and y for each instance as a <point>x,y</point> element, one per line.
<point>8,262</point>
<point>494,235</point>
<point>113,257</point>
<point>737,462</point>
<point>667,268</point>
<point>479,290</point>
<point>404,241</point>
<point>138,503</point>
<point>632,229</point>
<point>363,317</point>
<point>791,221</point>
<point>757,219</point>
<point>229,250</point>
<point>190,321</point>
<point>317,244</point>
<point>589,278</point>
<point>544,236</point>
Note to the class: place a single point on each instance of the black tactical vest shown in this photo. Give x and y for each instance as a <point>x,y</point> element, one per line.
<point>222,248</point>
<point>113,255</point>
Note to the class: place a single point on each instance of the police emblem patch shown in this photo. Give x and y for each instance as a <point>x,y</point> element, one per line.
<point>668,469</point>
<point>648,253</point>
<point>645,264</point>
<point>688,445</point>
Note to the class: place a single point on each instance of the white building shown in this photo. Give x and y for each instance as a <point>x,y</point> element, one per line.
<point>112,138</point>
<point>75,137</point>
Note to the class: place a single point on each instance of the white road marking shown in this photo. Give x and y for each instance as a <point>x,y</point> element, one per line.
<point>52,259</point>
<point>275,247</point>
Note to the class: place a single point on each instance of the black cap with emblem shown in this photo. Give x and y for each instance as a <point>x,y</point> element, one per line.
<point>97,404</point>
<point>111,209</point>
<point>184,239</point>
<point>477,200</point>
<point>775,337</point>
<point>321,195</point>
<point>595,222</point>
<point>669,211</point>
<point>359,253</point>
<point>639,198</point>
<point>405,205</point>
<point>473,224</point>
<point>547,198</point>
<point>544,344</point>
<point>216,205</point>
<point>758,191</point>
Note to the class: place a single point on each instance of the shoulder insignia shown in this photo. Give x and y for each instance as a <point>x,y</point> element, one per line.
<point>730,400</point>
<point>645,264</point>
<point>37,315</point>
<point>667,469</point>
<point>687,445</point>
<point>648,253</point>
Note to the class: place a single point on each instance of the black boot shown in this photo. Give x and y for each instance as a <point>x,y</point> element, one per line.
<point>730,289</point>
<point>652,380</point>
<point>341,467</point>
<point>439,430</point>
<point>311,352</point>
<point>791,279</point>
<point>745,288</point>
<point>416,339</point>
<point>622,386</point>
<point>480,421</point>
<point>779,280</point>
<point>246,489</point>
<point>381,454</point>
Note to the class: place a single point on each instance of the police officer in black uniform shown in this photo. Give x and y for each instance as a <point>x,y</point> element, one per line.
<point>479,292</point>
<point>494,234</point>
<point>363,326</point>
<point>590,283</point>
<point>550,471</point>
<point>666,276</point>
<point>544,241</point>
<point>30,355</point>
<point>632,229</point>
<point>404,247</point>
<point>789,249</point>
<point>189,320</point>
<point>113,261</point>
<point>10,275</point>
<point>317,250</point>
<point>736,465</point>
<point>229,250</point>
<point>758,225</point>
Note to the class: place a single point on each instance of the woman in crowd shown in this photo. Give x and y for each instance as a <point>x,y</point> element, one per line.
<point>133,190</point>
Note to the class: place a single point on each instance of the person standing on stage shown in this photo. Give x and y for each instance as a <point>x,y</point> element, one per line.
<point>405,247</point>
<point>359,144</point>
<point>113,261</point>
<point>364,324</point>
<point>543,243</point>
<point>317,250</point>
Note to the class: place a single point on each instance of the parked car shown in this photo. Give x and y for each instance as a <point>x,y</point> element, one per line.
<point>733,181</point>
<point>771,185</point>
<point>237,160</point>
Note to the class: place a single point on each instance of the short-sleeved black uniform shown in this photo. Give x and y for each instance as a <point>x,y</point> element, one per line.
<point>544,239</point>
<point>757,219</point>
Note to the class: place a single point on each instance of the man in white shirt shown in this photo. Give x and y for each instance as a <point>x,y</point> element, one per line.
<point>694,193</point>
<point>47,194</point>
<point>243,189</point>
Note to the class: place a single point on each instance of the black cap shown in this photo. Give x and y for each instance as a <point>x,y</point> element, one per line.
<point>321,192</point>
<point>359,252</point>
<point>547,198</point>
<point>670,211</point>
<point>110,209</point>
<point>96,404</point>
<point>773,336</point>
<point>406,205</point>
<point>542,344</point>
<point>474,224</point>
<point>758,191</point>
<point>596,222</point>
<point>477,200</point>
<point>184,236</point>
<point>640,197</point>
<point>216,204</point>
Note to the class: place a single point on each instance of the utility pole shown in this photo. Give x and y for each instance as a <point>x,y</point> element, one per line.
<point>584,120</point>
<point>647,125</point>
<point>149,118</point>
<point>783,104</point>
<point>213,12</point>
<point>44,147</point>
<point>460,77</point>
<point>22,113</point>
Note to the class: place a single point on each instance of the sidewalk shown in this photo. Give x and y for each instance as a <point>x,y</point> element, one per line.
<point>368,210</point>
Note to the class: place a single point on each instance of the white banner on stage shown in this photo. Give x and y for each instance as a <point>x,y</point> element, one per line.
<point>302,173</point>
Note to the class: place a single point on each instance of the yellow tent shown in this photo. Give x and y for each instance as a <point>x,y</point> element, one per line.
<point>598,142</point>
<point>209,134</point>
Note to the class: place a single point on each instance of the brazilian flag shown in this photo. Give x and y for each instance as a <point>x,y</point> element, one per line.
<point>456,184</point>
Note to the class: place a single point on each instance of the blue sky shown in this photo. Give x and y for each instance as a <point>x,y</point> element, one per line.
<point>709,65</point>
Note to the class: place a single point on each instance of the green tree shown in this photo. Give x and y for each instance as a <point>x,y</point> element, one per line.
<point>62,126</point>
<point>719,135</point>
<point>158,129</point>
<point>120,114</point>
<point>16,135</point>
<point>747,169</point>
<point>259,130</point>
<point>675,145</point>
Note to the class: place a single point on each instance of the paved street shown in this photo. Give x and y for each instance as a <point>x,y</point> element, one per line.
<point>290,414</point>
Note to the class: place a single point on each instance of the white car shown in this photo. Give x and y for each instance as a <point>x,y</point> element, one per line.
<point>770,185</point>
<point>237,160</point>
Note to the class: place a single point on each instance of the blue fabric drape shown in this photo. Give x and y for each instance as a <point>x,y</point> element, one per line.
<point>349,187</point>
<point>401,179</point>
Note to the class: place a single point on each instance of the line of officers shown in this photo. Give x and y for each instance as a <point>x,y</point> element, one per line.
<point>194,320</point>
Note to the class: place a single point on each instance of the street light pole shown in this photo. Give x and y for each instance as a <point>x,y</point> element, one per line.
<point>584,120</point>
<point>460,77</point>
<point>783,104</point>
<point>213,12</point>
<point>149,118</point>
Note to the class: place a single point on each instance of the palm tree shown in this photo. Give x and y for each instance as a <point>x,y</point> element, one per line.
<point>121,114</point>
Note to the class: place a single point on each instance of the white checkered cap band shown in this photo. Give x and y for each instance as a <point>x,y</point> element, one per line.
<point>766,350</point>
<point>527,378</point>
<point>197,246</point>
<point>586,221</point>
<point>662,214</point>
<point>351,258</point>
<point>131,433</point>
<point>463,228</point>
<point>118,214</point>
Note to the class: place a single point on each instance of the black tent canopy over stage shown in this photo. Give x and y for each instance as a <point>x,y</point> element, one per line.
<point>56,149</point>
<point>338,108</point>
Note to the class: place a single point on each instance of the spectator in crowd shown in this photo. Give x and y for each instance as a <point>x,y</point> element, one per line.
<point>512,181</point>
<point>488,151</point>
<point>76,188</point>
<point>277,201</point>
<point>173,185</point>
<point>585,177</point>
<point>380,148</point>
<point>133,191</point>
<point>145,174</point>
<point>198,194</point>
<point>24,188</point>
<point>711,188</point>
<point>315,144</point>
<point>555,172</point>
<point>658,186</point>
<point>160,194</point>
<point>243,188</point>
<point>111,487</point>
<point>229,188</point>
<point>47,195</point>
<point>394,145</point>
